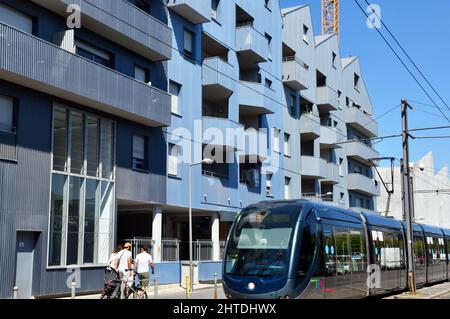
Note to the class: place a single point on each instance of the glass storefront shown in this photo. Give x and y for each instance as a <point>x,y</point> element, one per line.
<point>82,192</point>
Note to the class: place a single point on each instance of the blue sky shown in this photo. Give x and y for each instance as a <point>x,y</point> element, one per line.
<point>422,29</point>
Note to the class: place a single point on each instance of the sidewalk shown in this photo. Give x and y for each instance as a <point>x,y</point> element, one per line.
<point>165,291</point>
<point>433,292</point>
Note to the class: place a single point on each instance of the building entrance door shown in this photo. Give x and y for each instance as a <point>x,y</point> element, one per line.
<point>25,247</point>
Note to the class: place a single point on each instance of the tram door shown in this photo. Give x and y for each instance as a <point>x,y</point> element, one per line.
<point>329,253</point>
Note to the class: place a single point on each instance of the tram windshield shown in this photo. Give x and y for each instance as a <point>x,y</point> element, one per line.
<point>261,241</point>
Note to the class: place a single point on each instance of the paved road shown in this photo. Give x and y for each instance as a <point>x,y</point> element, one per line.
<point>204,293</point>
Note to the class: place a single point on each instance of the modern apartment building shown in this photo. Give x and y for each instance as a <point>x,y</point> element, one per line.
<point>99,126</point>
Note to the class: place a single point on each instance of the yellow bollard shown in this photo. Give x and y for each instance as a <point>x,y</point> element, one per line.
<point>188,287</point>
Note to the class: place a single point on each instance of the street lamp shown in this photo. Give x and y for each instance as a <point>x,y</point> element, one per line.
<point>191,269</point>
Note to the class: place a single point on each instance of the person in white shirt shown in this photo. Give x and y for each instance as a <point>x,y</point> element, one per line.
<point>142,265</point>
<point>123,266</point>
<point>113,257</point>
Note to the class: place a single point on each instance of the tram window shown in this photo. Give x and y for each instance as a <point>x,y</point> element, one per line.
<point>342,251</point>
<point>419,250</point>
<point>307,249</point>
<point>401,243</point>
<point>358,250</point>
<point>448,249</point>
<point>442,254</point>
<point>390,252</point>
<point>329,251</point>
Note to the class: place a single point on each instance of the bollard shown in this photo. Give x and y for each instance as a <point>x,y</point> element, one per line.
<point>156,287</point>
<point>188,287</point>
<point>16,292</point>
<point>72,287</point>
<point>215,286</point>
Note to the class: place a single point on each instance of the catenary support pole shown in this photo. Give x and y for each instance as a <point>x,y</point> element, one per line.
<point>407,196</point>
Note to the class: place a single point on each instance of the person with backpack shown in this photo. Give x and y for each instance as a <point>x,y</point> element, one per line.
<point>142,265</point>
<point>123,266</point>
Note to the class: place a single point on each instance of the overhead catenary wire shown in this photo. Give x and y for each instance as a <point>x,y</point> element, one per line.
<point>403,63</point>
<point>409,57</point>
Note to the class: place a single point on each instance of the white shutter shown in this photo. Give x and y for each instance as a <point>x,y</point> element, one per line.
<point>175,105</point>
<point>138,147</point>
<point>276,140</point>
<point>16,19</point>
<point>6,113</point>
<point>173,165</point>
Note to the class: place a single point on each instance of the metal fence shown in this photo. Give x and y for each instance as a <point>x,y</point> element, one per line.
<point>170,249</point>
<point>139,242</point>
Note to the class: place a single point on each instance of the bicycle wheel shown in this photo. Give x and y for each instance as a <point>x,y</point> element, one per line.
<point>140,294</point>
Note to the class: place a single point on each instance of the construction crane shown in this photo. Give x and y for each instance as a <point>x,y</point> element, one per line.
<point>330,17</point>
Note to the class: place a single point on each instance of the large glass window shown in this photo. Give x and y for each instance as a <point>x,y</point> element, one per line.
<point>56,220</point>
<point>6,113</point>
<point>82,198</point>
<point>77,143</point>
<point>92,146</point>
<point>59,139</point>
<point>107,148</point>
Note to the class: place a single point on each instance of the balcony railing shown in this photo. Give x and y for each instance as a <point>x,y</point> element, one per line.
<point>361,121</point>
<point>295,73</point>
<point>252,44</point>
<point>196,11</point>
<point>327,98</point>
<point>121,22</point>
<point>43,66</point>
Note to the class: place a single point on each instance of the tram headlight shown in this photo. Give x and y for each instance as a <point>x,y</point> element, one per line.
<point>251,286</point>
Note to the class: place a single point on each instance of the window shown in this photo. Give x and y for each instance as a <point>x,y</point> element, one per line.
<point>357,82</point>
<point>269,43</point>
<point>174,154</point>
<point>293,104</point>
<point>16,19</point>
<point>81,204</point>
<point>215,9</point>
<point>305,34</point>
<point>142,74</point>
<point>287,188</point>
<point>269,177</point>
<point>6,114</point>
<point>139,158</point>
<point>268,83</point>
<point>143,5</point>
<point>341,168</point>
<point>276,140</point>
<point>189,44</point>
<point>334,58</point>
<point>287,144</point>
<point>175,90</point>
<point>341,200</point>
<point>249,174</point>
<point>93,53</point>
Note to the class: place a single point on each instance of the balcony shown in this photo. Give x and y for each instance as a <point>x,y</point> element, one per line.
<point>216,126</point>
<point>32,62</point>
<point>252,145</point>
<point>332,174</point>
<point>360,152</point>
<point>309,126</point>
<point>363,184</point>
<point>361,121</point>
<point>251,45</point>
<point>121,22</point>
<point>327,99</point>
<point>295,73</point>
<point>329,138</point>
<point>217,78</point>
<point>313,167</point>
<point>195,11</point>
<point>255,99</point>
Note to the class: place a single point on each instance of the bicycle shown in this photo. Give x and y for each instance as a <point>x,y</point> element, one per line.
<point>136,291</point>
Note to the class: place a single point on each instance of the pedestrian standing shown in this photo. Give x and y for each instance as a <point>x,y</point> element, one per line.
<point>123,266</point>
<point>142,265</point>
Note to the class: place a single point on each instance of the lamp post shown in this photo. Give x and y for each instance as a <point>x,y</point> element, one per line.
<point>191,269</point>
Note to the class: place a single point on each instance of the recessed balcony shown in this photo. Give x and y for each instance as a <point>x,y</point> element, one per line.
<point>195,11</point>
<point>332,174</point>
<point>32,62</point>
<point>222,130</point>
<point>255,99</point>
<point>123,23</point>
